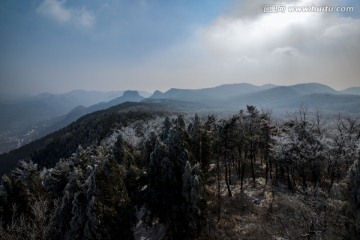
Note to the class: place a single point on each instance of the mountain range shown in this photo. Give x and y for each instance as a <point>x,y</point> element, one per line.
<point>28,118</point>
<point>280,99</point>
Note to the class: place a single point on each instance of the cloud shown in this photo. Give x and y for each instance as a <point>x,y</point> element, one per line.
<point>260,34</point>
<point>56,10</point>
<point>289,46</point>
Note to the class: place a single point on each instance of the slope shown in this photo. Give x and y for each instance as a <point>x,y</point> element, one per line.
<point>85,131</point>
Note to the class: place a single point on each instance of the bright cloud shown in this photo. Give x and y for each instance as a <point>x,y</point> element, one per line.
<point>261,34</point>
<point>57,10</point>
<point>289,46</point>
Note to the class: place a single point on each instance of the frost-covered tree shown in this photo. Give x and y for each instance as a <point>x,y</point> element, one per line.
<point>174,186</point>
<point>167,162</point>
<point>93,202</point>
<point>252,135</point>
<point>123,152</point>
<point>167,124</point>
<point>353,192</point>
<point>344,144</point>
<point>266,132</point>
<point>32,227</point>
<point>193,208</point>
<point>208,142</point>
<point>300,147</point>
<point>196,135</point>
<point>110,212</point>
<point>22,187</point>
<point>227,143</point>
<point>56,179</point>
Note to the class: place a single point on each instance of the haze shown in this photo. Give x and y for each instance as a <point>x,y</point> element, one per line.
<point>60,45</point>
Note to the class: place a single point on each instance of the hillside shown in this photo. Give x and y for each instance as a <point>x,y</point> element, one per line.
<point>50,112</point>
<point>95,125</point>
<point>23,119</point>
<point>86,130</point>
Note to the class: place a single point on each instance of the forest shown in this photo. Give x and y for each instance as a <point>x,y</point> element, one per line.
<point>148,174</point>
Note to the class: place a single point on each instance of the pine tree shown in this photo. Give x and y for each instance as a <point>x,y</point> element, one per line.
<point>23,187</point>
<point>174,186</point>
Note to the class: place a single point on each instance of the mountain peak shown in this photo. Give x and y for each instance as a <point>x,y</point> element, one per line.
<point>309,88</point>
<point>131,93</point>
<point>157,94</point>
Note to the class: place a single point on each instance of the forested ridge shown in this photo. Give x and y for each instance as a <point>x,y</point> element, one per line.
<point>150,174</point>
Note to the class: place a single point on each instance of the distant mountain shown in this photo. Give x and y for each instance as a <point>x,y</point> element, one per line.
<point>286,98</point>
<point>88,98</point>
<point>265,98</point>
<point>230,90</point>
<point>22,113</point>
<point>280,98</point>
<point>352,90</point>
<point>26,111</point>
<point>79,111</point>
<point>309,88</point>
<point>231,97</point>
<point>144,94</point>
<point>127,96</point>
<point>326,102</point>
<point>210,94</point>
<point>47,105</point>
<point>29,117</point>
<point>157,94</point>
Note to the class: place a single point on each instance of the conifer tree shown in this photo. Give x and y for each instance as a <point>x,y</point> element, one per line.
<point>174,186</point>
<point>353,192</point>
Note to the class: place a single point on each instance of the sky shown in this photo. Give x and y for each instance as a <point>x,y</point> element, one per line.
<point>61,45</point>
